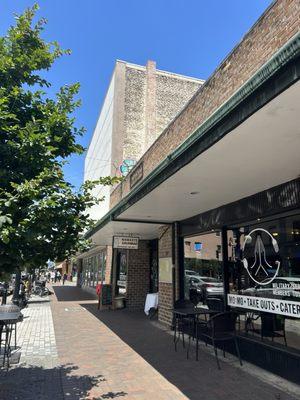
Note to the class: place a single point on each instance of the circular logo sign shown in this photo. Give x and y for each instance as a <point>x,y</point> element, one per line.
<point>259,269</point>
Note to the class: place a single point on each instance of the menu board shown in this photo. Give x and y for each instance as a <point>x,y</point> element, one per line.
<point>165,270</point>
<point>106,295</point>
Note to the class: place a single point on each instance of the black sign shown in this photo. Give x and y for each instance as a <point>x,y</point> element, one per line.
<point>106,295</point>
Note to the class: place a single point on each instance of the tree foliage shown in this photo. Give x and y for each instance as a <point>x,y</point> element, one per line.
<point>41,215</point>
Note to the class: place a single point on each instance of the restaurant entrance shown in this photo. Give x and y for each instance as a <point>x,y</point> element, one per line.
<point>245,257</point>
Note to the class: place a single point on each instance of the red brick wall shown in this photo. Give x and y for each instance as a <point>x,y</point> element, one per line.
<point>275,27</point>
<point>138,276</point>
<point>165,290</point>
<point>165,295</point>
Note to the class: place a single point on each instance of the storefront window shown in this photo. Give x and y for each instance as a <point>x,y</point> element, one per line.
<point>264,270</point>
<point>122,262</point>
<point>203,267</point>
<point>93,268</point>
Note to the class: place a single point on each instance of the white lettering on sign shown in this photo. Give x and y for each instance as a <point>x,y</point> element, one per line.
<point>275,306</point>
<point>126,242</point>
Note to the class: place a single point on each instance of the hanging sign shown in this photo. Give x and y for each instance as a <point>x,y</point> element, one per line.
<point>275,306</point>
<point>126,242</point>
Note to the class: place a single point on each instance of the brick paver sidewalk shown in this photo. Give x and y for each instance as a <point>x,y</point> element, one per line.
<point>126,355</point>
<point>110,354</point>
<point>37,376</point>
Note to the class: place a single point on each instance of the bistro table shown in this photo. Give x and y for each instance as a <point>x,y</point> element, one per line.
<point>10,315</point>
<point>192,314</point>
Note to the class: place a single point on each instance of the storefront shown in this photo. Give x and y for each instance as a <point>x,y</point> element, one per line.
<point>219,194</point>
<point>92,269</point>
<point>245,256</point>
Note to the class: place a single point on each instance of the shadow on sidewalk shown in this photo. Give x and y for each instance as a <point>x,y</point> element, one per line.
<point>28,382</point>
<point>72,293</point>
<point>196,380</point>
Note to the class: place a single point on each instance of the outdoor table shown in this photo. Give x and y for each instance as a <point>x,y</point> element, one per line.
<point>151,302</point>
<point>192,314</point>
<point>9,315</point>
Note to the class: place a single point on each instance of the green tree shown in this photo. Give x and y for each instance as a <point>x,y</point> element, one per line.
<point>41,215</point>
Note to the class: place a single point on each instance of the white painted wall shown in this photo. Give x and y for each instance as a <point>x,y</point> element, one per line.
<point>98,160</point>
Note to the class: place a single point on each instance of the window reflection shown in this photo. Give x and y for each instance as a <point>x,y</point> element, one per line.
<point>202,267</point>
<point>266,269</point>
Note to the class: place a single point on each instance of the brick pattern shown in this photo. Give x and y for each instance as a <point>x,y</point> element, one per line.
<point>138,276</point>
<point>152,99</point>
<point>276,26</point>
<point>35,334</point>
<point>165,296</point>
<point>151,134</point>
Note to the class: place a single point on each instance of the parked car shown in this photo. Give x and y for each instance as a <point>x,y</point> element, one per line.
<point>280,287</point>
<point>202,287</point>
<point>191,274</point>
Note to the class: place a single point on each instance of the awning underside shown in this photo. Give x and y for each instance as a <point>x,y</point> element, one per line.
<point>260,153</point>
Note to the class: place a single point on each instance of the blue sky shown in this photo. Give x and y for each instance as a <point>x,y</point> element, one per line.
<point>189,37</point>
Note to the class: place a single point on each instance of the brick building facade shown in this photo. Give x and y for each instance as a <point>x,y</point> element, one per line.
<point>227,165</point>
<point>273,30</point>
<point>139,104</point>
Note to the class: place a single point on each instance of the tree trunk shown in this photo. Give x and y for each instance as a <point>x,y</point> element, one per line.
<point>15,298</point>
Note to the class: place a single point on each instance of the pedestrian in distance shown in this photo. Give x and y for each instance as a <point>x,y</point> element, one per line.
<point>58,276</point>
<point>65,277</point>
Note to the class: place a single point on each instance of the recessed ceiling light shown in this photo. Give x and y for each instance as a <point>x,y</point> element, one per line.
<point>194,193</point>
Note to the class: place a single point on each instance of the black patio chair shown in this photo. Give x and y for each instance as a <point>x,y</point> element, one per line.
<point>221,328</point>
<point>215,304</point>
<point>272,326</point>
<point>182,324</point>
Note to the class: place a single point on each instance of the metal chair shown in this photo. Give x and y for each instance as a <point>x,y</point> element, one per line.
<point>215,304</point>
<point>272,326</point>
<point>181,324</point>
<point>221,328</point>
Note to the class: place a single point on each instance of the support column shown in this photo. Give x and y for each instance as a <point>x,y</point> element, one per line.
<point>225,264</point>
<point>168,284</point>
<point>138,276</point>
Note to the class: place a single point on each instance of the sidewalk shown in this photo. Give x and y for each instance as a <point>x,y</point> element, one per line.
<point>128,356</point>
<point>110,354</point>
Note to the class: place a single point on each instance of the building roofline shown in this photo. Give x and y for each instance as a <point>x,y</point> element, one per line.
<point>140,67</point>
<point>161,71</point>
<point>280,59</point>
